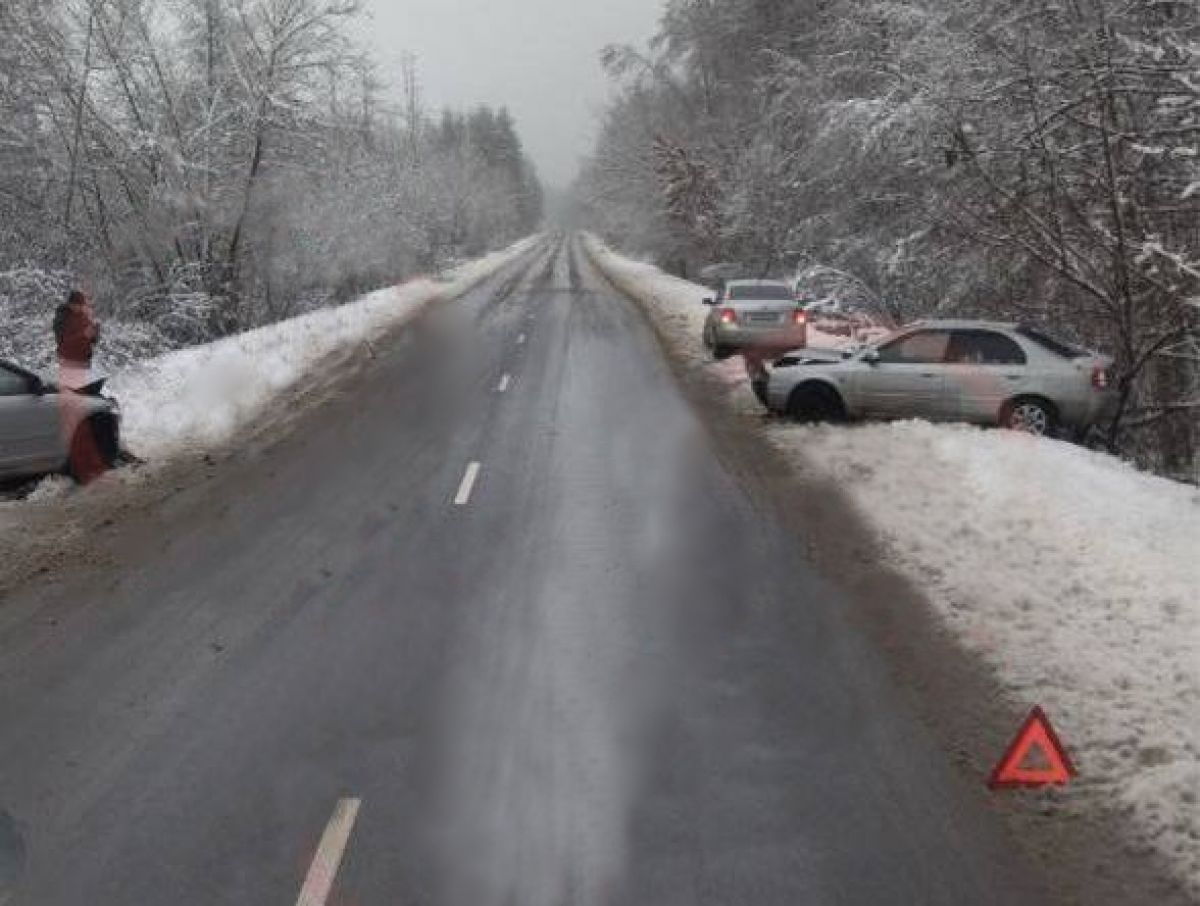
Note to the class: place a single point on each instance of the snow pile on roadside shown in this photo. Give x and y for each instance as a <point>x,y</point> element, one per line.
<point>1072,575</point>
<point>201,395</point>
<point>1069,572</point>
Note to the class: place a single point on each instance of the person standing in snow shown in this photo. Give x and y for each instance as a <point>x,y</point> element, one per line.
<point>75,336</point>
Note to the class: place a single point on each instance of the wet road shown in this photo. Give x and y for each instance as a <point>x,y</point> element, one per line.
<point>502,601</point>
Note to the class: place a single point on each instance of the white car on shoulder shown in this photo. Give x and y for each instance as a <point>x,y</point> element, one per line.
<point>972,371</point>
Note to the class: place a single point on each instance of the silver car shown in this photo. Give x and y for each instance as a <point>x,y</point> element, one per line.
<point>763,315</point>
<point>44,429</point>
<point>972,371</point>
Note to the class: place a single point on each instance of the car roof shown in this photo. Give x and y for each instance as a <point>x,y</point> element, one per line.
<point>962,324</point>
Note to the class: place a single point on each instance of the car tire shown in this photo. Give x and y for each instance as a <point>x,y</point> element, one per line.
<point>1029,415</point>
<point>95,449</point>
<point>815,403</point>
<point>721,353</point>
<point>760,390</point>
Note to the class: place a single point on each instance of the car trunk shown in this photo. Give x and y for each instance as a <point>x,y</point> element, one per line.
<point>764,315</point>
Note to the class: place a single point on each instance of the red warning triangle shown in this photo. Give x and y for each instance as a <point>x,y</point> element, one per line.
<point>1035,734</point>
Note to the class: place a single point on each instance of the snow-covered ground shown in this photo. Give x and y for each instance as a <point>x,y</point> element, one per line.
<point>1075,577</point>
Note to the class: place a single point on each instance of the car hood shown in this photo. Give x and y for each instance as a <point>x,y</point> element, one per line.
<point>823,358</point>
<point>93,388</point>
<point>809,357</point>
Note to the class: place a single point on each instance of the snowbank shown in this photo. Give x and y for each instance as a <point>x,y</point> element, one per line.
<point>1072,575</point>
<point>1069,572</point>
<point>200,396</point>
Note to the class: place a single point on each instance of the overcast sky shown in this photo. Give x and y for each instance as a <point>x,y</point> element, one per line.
<point>540,58</point>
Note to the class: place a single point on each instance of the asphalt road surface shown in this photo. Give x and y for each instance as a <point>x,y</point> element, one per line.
<point>494,627</point>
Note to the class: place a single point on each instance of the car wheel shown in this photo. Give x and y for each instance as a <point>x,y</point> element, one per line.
<point>760,390</point>
<point>94,450</point>
<point>721,353</point>
<point>1029,416</point>
<point>816,403</point>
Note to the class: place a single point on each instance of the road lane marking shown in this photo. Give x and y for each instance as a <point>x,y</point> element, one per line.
<point>328,859</point>
<point>505,383</point>
<point>468,485</point>
<point>521,340</point>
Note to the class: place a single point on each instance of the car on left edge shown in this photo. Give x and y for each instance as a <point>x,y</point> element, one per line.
<point>45,428</point>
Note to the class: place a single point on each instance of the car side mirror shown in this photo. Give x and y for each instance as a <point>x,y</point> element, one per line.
<point>871,357</point>
<point>37,387</point>
<point>710,301</point>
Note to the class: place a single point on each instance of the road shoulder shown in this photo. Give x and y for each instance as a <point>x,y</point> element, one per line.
<point>1086,855</point>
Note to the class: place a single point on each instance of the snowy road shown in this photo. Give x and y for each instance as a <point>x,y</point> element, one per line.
<point>501,612</point>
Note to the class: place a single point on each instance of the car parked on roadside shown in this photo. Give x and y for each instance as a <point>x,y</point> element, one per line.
<point>759,315</point>
<point>972,371</point>
<point>46,429</point>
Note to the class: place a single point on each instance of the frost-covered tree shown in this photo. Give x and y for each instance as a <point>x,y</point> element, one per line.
<point>1034,160</point>
<point>208,165</point>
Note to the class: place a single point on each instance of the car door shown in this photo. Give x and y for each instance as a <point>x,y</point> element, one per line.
<point>985,368</point>
<point>907,378</point>
<point>30,428</point>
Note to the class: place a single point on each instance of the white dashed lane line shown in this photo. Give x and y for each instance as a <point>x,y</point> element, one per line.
<point>505,383</point>
<point>328,859</point>
<point>521,340</point>
<point>468,485</point>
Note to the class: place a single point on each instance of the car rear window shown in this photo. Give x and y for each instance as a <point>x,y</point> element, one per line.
<point>1059,347</point>
<point>768,292</point>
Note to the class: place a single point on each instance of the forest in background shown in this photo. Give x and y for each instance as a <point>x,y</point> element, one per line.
<point>1033,161</point>
<point>204,167</point>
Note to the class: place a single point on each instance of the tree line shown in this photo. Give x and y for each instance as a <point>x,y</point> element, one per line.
<point>207,166</point>
<point>1028,160</point>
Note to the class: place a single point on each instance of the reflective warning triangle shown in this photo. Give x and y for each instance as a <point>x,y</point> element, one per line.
<point>1035,734</point>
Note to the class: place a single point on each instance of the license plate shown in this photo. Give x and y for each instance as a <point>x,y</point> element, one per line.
<point>761,317</point>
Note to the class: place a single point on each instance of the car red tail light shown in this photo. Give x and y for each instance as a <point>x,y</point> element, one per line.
<point>800,317</point>
<point>728,316</point>
<point>1100,378</point>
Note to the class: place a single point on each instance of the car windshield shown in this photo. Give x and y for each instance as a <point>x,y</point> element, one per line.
<point>761,292</point>
<point>877,344</point>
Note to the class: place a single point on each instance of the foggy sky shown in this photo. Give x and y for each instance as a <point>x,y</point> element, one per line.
<point>540,58</point>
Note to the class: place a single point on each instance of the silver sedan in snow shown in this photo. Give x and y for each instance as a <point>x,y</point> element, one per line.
<point>46,429</point>
<point>760,315</point>
<point>971,371</point>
